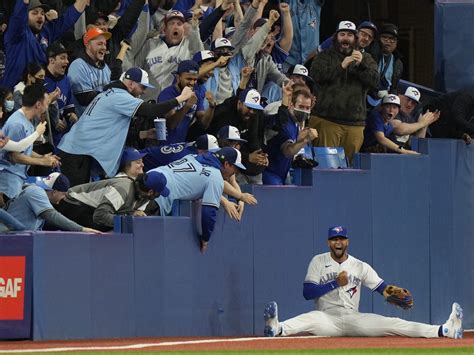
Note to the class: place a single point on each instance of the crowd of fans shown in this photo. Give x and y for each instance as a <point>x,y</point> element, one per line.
<point>241,87</point>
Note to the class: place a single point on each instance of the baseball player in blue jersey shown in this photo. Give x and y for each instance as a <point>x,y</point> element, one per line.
<point>334,282</point>
<point>165,154</point>
<point>200,177</point>
<point>102,129</point>
<point>291,136</point>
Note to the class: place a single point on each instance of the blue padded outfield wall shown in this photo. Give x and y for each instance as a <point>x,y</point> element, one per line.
<point>412,218</point>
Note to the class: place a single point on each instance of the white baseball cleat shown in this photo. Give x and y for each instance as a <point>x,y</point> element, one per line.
<point>271,319</point>
<point>453,326</point>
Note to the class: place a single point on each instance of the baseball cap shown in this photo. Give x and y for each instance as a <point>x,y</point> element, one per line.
<point>346,26</point>
<point>202,56</point>
<point>94,16</point>
<point>207,142</point>
<point>413,93</point>
<point>391,99</point>
<point>301,70</point>
<point>230,133</point>
<point>156,181</point>
<point>56,49</point>
<point>174,14</point>
<point>37,3</point>
<point>137,75</point>
<point>187,66</point>
<point>230,155</point>
<point>229,31</point>
<point>337,231</point>
<point>130,154</point>
<point>251,98</point>
<point>54,181</point>
<point>389,28</point>
<point>94,32</point>
<point>221,43</point>
<point>368,24</point>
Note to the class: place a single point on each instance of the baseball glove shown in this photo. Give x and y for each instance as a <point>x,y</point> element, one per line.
<point>398,296</point>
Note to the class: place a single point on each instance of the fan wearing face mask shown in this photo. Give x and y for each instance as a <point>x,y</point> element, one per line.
<point>292,134</point>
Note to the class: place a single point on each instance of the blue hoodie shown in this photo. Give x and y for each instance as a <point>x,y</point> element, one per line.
<point>23,47</point>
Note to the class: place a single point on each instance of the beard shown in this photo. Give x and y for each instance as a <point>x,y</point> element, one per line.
<point>345,50</point>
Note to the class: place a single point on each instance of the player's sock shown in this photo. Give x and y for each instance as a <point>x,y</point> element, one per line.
<point>440,331</point>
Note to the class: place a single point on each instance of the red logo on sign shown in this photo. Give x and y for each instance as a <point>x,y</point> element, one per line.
<point>12,288</point>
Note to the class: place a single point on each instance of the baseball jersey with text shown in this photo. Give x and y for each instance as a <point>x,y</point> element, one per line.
<point>165,154</point>
<point>323,269</point>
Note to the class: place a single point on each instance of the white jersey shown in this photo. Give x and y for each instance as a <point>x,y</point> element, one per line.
<point>323,269</point>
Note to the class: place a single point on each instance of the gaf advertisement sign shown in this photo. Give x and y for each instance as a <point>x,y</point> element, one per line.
<point>12,290</point>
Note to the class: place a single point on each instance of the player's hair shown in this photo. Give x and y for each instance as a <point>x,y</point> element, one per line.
<point>140,182</point>
<point>33,94</point>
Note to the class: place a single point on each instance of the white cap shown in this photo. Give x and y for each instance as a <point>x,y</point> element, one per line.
<point>221,43</point>
<point>391,99</point>
<point>346,26</point>
<point>300,70</point>
<point>230,133</point>
<point>207,142</point>
<point>413,93</point>
<point>251,98</point>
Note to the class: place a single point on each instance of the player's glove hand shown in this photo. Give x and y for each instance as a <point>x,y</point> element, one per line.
<point>398,296</point>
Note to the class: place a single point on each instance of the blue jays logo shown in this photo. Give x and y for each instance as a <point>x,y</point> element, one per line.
<point>352,291</point>
<point>225,41</point>
<point>256,99</point>
<point>174,13</point>
<point>391,98</point>
<point>338,229</point>
<point>236,132</point>
<point>303,70</point>
<point>416,93</point>
<point>348,25</point>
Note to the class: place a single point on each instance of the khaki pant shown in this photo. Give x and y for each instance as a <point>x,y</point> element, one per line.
<point>338,135</point>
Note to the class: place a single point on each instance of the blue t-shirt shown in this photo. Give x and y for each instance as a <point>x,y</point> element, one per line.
<point>178,134</point>
<point>278,163</point>
<point>375,123</point>
<point>102,129</point>
<point>28,206</point>
<point>165,154</point>
<point>188,179</point>
<point>279,56</point>
<point>86,78</point>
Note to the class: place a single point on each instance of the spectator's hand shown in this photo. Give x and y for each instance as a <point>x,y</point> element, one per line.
<point>409,152</point>
<point>274,16</point>
<point>91,230</point>
<point>138,214</point>
<point>248,198</point>
<point>41,128</point>
<point>284,8</point>
<point>72,117</point>
<point>428,118</point>
<point>258,157</point>
<point>465,137</point>
<point>3,27</point>
<point>3,140</point>
<point>342,279</point>
<point>51,160</point>
<point>240,209</point>
<point>51,15</point>
<point>61,125</point>
<point>347,60</point>
<point>185,94</point>
<point>231,209</point>
<point>222,61</point>
<point>357,56</point>
<point>246,72</point>
<point>203,247</point>
<point>53,96</point>
<point>197,14</point>
<point>125,44</point>
<point>227,5</point>
<point>210,98</point>
<point>191,101</point>
<point>312,133</point>
<point>287,87</point>
<point>80,5</point>
<point>148,134</point>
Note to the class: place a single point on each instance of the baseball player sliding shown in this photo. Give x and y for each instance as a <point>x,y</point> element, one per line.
<point>334,280</point>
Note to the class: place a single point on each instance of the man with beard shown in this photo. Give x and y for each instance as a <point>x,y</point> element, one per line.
<point>292,135</point>
<point>344,76</point>
<point>27,43</point>
<point>62,115</point>
<point>244,111</point>
<point>180,118</point>
<point>390,66</point>
<point>334,281</point>
<point>89,73</point>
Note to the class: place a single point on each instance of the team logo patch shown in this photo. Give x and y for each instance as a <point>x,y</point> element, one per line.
<point>352,291</point>
<point>12,289</point>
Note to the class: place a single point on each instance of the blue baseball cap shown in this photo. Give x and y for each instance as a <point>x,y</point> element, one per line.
<point>156,181</point>
<point>139,76</point>
<point>368,24</point>
<point>187,66</point>
<point>230,155</point>
<point>54,181</point>
<point>130,154</point>
<point>207,142</point>
<point>251,98</point>
<point>203,56</point>
<point>337,231</point>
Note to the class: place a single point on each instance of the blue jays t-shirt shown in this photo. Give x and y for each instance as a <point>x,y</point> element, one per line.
<point>188,179</point>
<point>28,206</point>
<point>278,163</point>
<point>375,123</point>
<point>178,134</point>
<point>102,129</point>
<point>165,154</point>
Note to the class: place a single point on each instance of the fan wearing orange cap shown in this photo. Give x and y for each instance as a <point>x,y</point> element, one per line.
<point>89,73</point>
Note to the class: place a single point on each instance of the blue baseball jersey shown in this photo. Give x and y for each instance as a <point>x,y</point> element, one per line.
<point>188,179</point>
<point>27,207</point>
<point>12,175</point>
<point>178,134</point>
<point>165,154</point>
<point>375,123</point>
<point>278,163</point>
<point>86,78</point>
<point>279,56</point>
<point>102,129</point>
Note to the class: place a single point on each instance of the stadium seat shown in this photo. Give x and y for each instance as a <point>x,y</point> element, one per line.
<point>327,157</point>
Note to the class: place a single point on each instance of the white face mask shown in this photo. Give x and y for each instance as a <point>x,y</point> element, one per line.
<point>9,104</point>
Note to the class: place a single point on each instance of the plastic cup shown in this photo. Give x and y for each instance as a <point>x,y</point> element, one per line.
<point>160,126</point>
